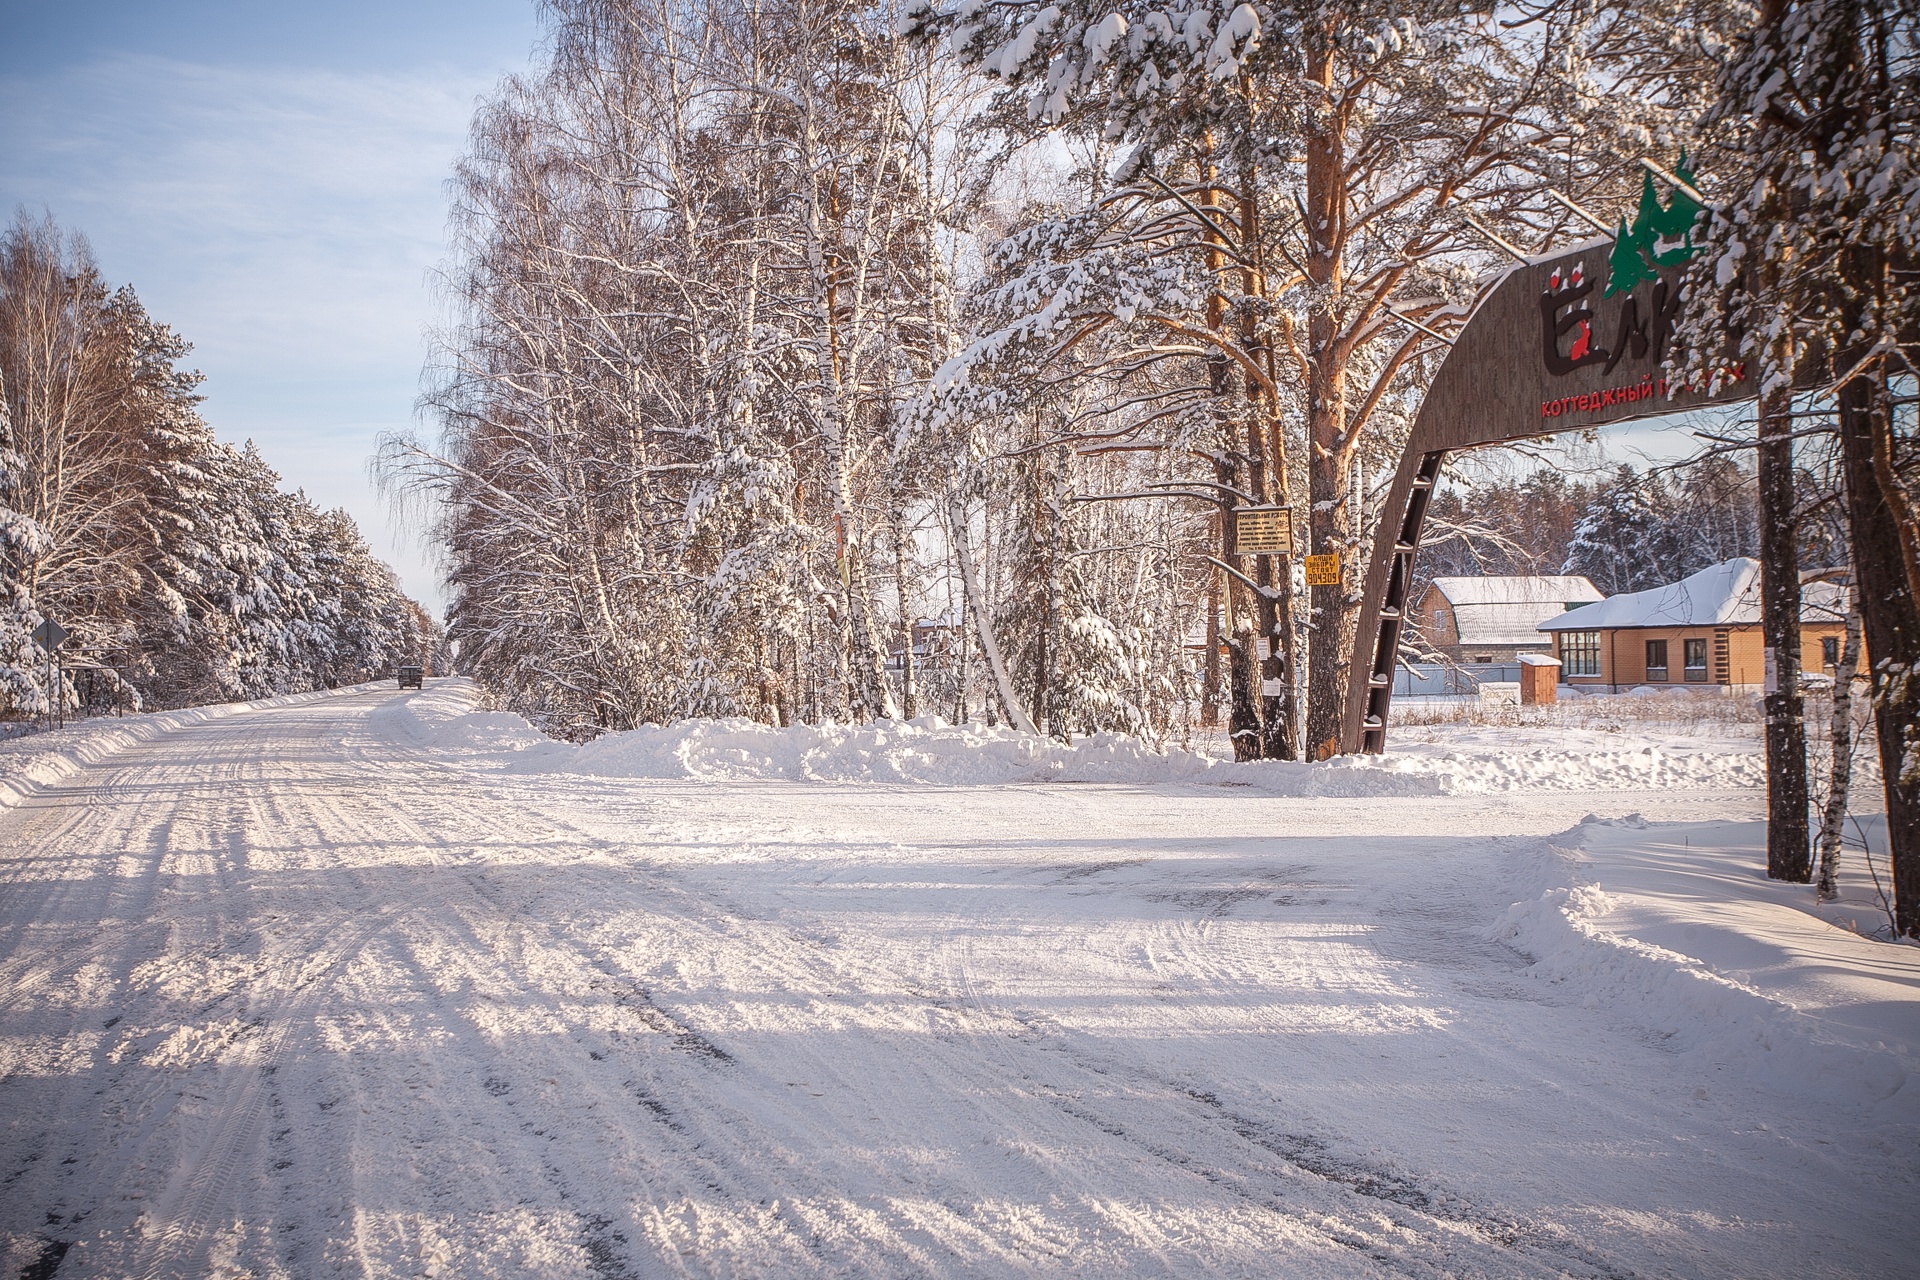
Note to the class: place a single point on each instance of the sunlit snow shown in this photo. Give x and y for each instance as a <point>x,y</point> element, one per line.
<point>382,984</point>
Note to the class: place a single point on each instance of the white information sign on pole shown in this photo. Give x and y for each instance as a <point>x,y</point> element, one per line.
<point>1263,531</point>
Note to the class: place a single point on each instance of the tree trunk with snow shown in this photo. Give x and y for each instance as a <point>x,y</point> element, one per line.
<point>1890,626</point>
<point>1244,729</point>
<point>1329,444</point>
<point>1786,731</point>
<point>957,523</point>
<point>1210,667</point>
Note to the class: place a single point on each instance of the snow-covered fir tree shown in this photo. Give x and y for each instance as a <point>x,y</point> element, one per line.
<point>22,542</point>
<point>183,571</point>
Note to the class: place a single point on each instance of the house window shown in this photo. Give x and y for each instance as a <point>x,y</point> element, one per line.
<point>1656,660</point>
<point>1580,653</point>
<point>1830,651</point>
<point>1696,660</point>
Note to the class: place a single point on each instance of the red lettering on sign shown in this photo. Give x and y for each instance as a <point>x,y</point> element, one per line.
<point>1632,393</point>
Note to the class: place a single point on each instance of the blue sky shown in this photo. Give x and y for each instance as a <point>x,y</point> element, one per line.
<point>271,180</point>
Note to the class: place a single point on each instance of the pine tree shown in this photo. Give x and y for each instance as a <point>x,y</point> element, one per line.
<point>1811,262</point>
<point>1620,541</point>
<point>22,541</point>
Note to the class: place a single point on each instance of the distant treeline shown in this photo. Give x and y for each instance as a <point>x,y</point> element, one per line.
<point>1626,531</point>
<point>183,571</point>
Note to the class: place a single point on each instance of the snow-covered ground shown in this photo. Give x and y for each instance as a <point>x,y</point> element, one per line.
<point>372,983</point>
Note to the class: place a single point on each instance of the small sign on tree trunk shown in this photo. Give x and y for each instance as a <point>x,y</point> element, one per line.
<point>1263,531</point>
<point>1323,571</point>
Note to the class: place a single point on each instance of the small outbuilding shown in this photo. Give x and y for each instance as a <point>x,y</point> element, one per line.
<point>1495,619</point>
<point>1701,630</point>
<point>1539,679</point>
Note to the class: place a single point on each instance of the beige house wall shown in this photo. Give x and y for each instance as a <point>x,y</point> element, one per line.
<point>1736,656</point>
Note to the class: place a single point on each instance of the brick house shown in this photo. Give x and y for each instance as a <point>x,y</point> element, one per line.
<point>1494,619</point>
<point>1701,630</point>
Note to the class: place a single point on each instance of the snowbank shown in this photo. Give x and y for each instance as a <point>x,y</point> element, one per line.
<point>1586,932</point>
<point>930,751</point>
<point>40,760</point>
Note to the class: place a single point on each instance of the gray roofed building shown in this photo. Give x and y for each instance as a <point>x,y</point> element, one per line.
<point>1495,618</point>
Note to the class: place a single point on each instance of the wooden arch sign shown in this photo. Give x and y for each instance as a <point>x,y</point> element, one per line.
<point>1554,347</point>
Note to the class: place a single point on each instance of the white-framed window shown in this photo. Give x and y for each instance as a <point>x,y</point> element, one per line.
<point>1580,653</point>
<point>1696,651</point>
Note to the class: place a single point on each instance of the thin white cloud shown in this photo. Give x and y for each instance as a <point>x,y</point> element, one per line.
<point>271,208</point>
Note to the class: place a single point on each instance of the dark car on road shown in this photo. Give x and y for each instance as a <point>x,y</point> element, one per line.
<point>412,677</point>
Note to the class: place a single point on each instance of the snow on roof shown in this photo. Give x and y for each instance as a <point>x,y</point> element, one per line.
<point>1508,610</point>
<point>1548,588</point>
<point>1721,595</point>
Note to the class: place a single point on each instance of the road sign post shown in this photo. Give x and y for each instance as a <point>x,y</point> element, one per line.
<point>50,635</point>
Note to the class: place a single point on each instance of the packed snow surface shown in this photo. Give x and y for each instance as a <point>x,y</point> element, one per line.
<point>378,984</point>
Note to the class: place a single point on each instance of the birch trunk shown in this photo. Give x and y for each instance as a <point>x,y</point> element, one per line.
<point>867,686</point>
<point>976,605</point>
<point>1050,713</point>
<point>1840,775</point>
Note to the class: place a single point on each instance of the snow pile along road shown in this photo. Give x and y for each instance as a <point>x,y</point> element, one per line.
<point>442,722</point>
<point>1580,932</point>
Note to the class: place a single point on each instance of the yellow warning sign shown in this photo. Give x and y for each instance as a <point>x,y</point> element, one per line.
<point>1323,571</point>
<point>1263,531</point>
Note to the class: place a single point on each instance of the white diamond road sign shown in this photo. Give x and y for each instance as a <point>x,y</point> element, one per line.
<point>50,635</point>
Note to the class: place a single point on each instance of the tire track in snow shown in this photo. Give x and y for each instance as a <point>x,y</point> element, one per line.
<point>93,916</point>
<point>953,1063</point>
<point>691,1119</point>
<point>1426,1235</point>
<point>734,1181</point>
<point>199,1187</point>
<point>204,910</point>
<point>831,1240</point>
<point>71,817</point>
<point>472,917</point>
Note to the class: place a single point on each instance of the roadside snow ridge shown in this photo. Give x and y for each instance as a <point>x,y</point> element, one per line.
<point>442,721</point>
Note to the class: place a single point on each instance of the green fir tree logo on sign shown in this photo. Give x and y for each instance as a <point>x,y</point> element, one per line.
<point>1659,236</point>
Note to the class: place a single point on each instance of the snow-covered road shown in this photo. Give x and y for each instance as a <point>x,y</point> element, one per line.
<point>282,993</point>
